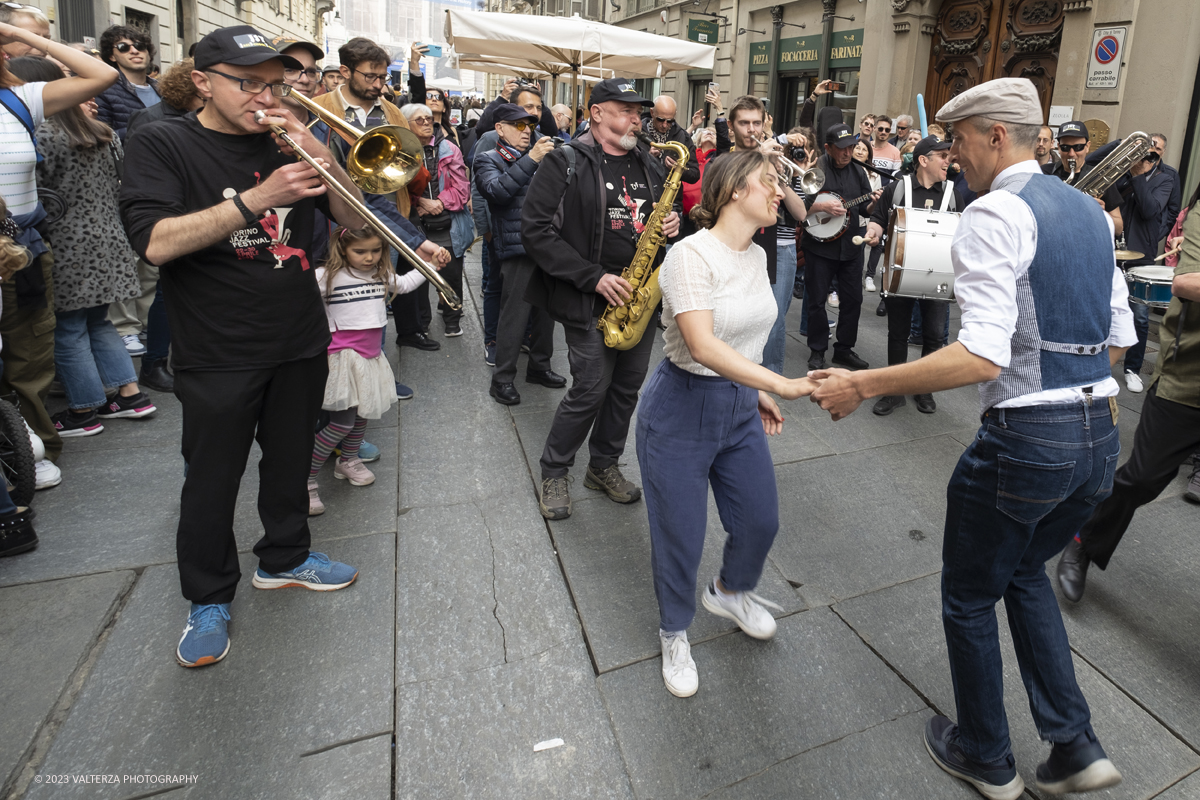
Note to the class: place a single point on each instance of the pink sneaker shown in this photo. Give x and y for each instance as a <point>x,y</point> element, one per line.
<point>353,470</point>
<point>315,506</point>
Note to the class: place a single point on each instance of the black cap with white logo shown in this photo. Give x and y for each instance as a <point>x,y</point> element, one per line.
<point>1073,128</point>
<point>840,136</point>
<point>928,145</point>
<point>241,45</point>
<point>618,89</point>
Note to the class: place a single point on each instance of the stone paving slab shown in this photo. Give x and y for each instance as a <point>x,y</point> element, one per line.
<point>759,703</point>
<point>605,551</point>
<point>356,771</point>
<point>865,520</point>
<point>478,585</point>
<point>886,762</point>
<point>47,630</point>
<point>306,671</point>
<point>1186,789</point>
<point>472,735</point>
<point>903,624</point>
<point>1139,622</point>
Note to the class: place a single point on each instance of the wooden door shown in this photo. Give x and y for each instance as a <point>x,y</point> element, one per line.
<point>978,40</point>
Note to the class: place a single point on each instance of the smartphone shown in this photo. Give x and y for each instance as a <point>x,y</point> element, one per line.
<point>433,50</point>
<point>714,87</point>
<point>834,85</point>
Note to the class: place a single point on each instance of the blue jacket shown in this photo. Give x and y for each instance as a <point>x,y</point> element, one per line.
<point>503,182</point>
<point>118,102</point>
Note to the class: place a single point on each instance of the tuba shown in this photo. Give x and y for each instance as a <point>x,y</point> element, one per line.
<point>1102,176</point>
<point>624,326</point>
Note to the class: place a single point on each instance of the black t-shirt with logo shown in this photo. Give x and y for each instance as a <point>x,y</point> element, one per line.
<point>630,203</point>
<point>1111,197</point>
<point>251,300</point>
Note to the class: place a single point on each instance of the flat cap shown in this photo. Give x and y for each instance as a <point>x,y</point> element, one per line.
<point>1003,99</point>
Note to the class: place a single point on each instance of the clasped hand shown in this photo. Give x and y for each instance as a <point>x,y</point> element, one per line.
<point>836,392</point>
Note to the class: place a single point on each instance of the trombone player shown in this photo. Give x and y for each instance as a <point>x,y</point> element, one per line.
<point>229,220</point>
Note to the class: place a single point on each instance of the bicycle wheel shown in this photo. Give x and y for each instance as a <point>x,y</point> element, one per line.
<point>16,454</point>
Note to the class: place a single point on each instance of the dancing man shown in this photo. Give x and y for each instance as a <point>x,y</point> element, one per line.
<point>1047,447</point>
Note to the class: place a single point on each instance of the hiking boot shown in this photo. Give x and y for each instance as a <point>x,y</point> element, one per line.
<point>610,481</point>
<point>555,502</point>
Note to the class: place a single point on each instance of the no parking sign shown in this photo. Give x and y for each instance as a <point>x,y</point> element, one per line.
<point>1104,62</point>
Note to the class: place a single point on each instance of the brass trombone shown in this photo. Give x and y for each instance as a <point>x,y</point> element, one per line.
<point>811,180</point>
<point>380,161</point>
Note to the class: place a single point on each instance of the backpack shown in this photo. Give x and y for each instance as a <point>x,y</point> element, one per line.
<point>16,106</point>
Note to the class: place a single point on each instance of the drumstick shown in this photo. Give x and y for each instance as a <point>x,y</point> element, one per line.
<point>858,240</point>
<point>1160,258</point>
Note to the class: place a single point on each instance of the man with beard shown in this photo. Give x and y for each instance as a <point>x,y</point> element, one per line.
<point>581,221</point>
<point>1044,152</point>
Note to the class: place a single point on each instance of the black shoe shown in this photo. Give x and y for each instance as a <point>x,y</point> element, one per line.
<point>881,309</point>
<point>798,292</point>
<point>419,340</point>
<point>915,341</point>
<point>132,407</point>
<point>69,423</point>
<point>925,403</point>
<point>549,378</point>
<point>849,359</point>
<point>997,780</point>
<point>817,360</point>
<point>1072,571</point>
<point>1080,765</point>
<point>887,404</point>
<point>16,531</point>
<point>505,394</point>
<point>453,329</point>
<point>154,375</point>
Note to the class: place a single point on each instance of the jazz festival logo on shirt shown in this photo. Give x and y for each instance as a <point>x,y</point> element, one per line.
<point>247,241</point>
<point>629,213</point>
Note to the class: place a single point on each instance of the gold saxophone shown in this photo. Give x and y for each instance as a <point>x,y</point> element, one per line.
<point>623,326</point>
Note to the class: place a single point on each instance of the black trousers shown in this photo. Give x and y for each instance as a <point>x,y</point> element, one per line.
<point>1166,435</point>
<point>517,316</point>
<point>406,308</point>
<point>933,323</point>
<point>452,273</point>
<point>223,413</point>
<point>819,273</point>
<point>601,399</point>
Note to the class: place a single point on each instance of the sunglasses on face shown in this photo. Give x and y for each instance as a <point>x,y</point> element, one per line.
<point>421,120</point>
<point>433,96</point>
<point>523,125</point>
<point>883,128</point>
<point>125,47</point>
<point>901,128</point>
<point>664,120</point>
<point>1073,148</point>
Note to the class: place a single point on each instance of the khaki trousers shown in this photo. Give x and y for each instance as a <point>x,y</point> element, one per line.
<point>129,316</point>
<point>28,356</point>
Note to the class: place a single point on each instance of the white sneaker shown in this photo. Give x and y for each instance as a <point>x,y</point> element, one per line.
<point>833,300</point>
<point>47,475</point>
<point>679,670</point>
<point>1132,382</point>
<point>133,345</point>
<point>744,608</point>
<point>35,444</point>
<point>870,284</point>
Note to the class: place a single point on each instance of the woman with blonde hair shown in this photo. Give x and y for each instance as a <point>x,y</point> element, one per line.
<point>705,414</point>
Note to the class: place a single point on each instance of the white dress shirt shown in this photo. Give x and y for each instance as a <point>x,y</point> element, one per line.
<point>994,245</point>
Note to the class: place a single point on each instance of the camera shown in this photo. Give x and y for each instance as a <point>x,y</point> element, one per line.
<point>558,141</point>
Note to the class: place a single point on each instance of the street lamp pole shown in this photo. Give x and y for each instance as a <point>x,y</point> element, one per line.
<point>773,69</point>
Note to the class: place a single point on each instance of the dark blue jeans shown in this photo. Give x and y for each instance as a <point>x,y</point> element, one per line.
<point>493,285</point>
<point>916,330</point>
<point>693,432</point>
<point>1020,492</point>
<point>158,331</point>
<point>1136,355</point>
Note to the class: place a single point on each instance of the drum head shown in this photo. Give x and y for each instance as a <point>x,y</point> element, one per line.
<point>1152,274</point>
<point>895,254</point>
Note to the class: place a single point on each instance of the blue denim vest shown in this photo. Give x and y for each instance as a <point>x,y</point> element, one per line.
<point>1063,299</point>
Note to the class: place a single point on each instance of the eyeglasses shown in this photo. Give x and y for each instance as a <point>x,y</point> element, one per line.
<point>250,86</point>
<point>294,74</point>
<point>372,77</point>
<point>901,128</point>
<point>522,125</point>
<point>421,120</point>
<point>664,120</point>
<point>1073,148</point>
<point>883,128</point>
<point>125,47</point>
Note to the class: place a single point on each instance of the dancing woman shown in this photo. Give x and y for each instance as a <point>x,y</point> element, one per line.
<point>706,412</point>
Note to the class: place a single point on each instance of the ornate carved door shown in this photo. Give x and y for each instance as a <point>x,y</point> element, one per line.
<point>978,40</point>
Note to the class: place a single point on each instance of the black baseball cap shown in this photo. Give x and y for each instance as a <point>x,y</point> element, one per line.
<point>241,45</point>
<point>1073,128</point>
<point>928,145</point>
<point>511,112</point>
<point>840,137</point>
<point>282,43</point>
<point>619,89</point>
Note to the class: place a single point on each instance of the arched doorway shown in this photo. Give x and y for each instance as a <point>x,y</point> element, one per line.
<point>978,40</point>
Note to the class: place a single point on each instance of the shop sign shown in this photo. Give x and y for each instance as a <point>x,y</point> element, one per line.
<point>846,48</point>
<point>704,31</point>
<point>760,55</point>
<point>800,52</point>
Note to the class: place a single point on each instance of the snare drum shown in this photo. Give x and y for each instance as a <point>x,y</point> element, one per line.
<point>918,259</point>
<point>1150,286</point>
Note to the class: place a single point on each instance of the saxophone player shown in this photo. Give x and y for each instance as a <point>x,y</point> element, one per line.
<point>586,208</point>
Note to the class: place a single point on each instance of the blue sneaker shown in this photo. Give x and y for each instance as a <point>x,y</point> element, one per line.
<point>489,354</point>
<point>205,640</point>
<point>995,780</point>
<point>403,392</point>
<point>318,573</point>
<point>1079,765</point>
<point>367,452</point>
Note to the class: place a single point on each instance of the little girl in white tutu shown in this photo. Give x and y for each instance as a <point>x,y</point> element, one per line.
<point>357,281</point>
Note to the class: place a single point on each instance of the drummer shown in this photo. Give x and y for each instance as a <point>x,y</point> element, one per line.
<point>931,190</point>
<point>1074,143</point>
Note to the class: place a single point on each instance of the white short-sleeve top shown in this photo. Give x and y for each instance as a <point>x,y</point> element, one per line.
<point>701,273</point>
<point>18,183</point>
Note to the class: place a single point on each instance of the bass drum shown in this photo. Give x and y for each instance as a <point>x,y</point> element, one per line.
<point>918,257</point>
